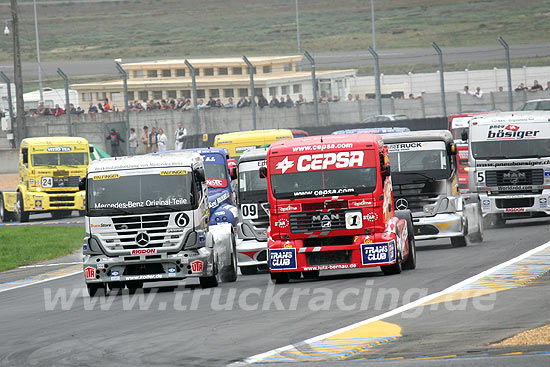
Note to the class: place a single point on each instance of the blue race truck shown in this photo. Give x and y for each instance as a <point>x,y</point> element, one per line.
<point>221,185</point>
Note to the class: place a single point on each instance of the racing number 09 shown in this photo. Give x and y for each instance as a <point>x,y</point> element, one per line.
<point>249,211</point>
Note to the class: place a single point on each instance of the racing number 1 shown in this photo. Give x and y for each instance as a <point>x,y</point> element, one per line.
<point>354,220</point>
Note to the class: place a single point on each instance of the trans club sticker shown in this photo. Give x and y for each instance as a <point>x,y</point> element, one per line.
<point>282,258</point>
<point>377,253</point>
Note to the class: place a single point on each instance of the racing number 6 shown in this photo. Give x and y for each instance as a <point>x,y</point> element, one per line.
<point>480,176</point>
<point>249,211</point>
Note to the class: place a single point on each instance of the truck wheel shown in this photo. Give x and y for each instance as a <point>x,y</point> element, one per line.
<point>116,287</point>
<point>459,241</point>
<point>5,216</point>
<point>97,289</point>
<point>394,268</point>
<point>313,274</point>
<point>229,273</point>
<point>410,263</point>
<point>280,278</point>
<point>249,270</point>
<point>478,235</point>
<point>23,215</point>
<point>208,282</point>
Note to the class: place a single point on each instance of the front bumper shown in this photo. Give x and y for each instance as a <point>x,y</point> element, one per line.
<point>365,252</point>
<point>251,252</point>
<point>184,264</point>
<point>524,205</point>
<point>48,201</point>
<point>443,225</point>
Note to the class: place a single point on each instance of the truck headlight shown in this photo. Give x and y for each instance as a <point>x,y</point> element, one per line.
<point>191,241</point>
<point>429,209</point>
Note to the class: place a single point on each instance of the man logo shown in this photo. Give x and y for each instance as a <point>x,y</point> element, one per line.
<point>401,204</point>
<point>182,220</point>
<point>142,239</point>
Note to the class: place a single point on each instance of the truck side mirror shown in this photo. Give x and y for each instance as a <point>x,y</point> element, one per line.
<point>464,135</point>
<point>263,172</point>
<point>233,173</point>
<point>91,148</point>
<point>82,184</point>
<point>199,174</point>
<point>25,153</point>
<point>386,171</point>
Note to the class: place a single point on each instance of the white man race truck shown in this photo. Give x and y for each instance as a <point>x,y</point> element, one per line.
<point>509,164</point>
<point>147,219</point>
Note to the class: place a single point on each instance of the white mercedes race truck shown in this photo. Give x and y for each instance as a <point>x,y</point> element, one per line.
<point>509,164</point>
<point>253,213</point>
<point>425,181</point>
<point>147,219</point>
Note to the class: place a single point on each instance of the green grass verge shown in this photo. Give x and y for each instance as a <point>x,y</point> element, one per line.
<point>29,244</point>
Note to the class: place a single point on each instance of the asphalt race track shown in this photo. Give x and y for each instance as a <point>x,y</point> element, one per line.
<point>46,219</point>
<point>227,325</point>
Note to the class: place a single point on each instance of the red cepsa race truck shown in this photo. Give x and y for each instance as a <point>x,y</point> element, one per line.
<point>331,207</point>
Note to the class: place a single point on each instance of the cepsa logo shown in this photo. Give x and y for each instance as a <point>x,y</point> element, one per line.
<point>324,161</point>
<point>509,131</point>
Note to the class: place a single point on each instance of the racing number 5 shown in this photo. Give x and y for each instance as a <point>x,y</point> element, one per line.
<point>480,176</point>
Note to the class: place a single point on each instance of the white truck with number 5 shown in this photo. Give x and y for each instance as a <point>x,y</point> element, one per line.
<point>147,219</point>
<point>509,164</point>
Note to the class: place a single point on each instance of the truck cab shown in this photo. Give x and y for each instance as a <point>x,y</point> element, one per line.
<point>147,220</point>
<point>253,213</point>
<point>50,169</point>
<point>221,185</point>
<point>331,207</point>
<point>425,181</point>
<point>509,164</point>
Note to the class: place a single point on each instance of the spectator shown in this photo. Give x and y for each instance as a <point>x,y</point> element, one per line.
<point>181,103</point>
<point>47,111</point>
<point>133,141</point>
<point>162,141</point>
<point>115,139</point>
<point>466,90</point>
<point>219,103</point>
<point>72,110</point>
<point>349,98</point>
<point>547,86</point>
<point>181,132</point>
<point>172,104</point>
<point>357,99</point>
<point>58,111</point>
<point>200,104</point>
<point>79,111</point>
<point>323,100</point>
<point>329,97</point>
<point>100,107</point>
<point>92,108</point>
<point>478,93</point>
<point>500,89</point>
<point>367,96</point>
<point>274,102</point>
<point>40,109</point>
<point>289,102</point>
<point>262,102</point>
<point>187,105</point>
<point>154,141</point>
<point>106,105</point>
<point>520,87</point>
<point>211,102</point>
<point>242,103</point>
<point>300,100</point>
<point>27,111</point>
<point>335,98</point>
<point>411,96</point>
<point>145,139</point>
<point>282,102</point>
<point>230,103</point>
<point>536,87</point>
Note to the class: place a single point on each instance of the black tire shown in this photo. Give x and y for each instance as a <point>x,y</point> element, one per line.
<point>459,241</point>
<point>394,268</point>
<point>494,221</point>
<point>134,286</point>
<point>280,278</point>
<point>5,216</point>
<point>116,287</point>
<point>478,235</point>
<point>22,214</point>
<point>229,273</point>
<point>96,289</point>
<point>313,274</point>
<point>249,270</point>
<point>410,263</point>
<point>208,282</point>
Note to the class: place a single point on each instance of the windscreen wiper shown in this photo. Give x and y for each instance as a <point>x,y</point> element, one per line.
<point>419,174</point>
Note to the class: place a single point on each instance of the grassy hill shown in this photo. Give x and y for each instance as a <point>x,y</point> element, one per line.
<point>164,28</point>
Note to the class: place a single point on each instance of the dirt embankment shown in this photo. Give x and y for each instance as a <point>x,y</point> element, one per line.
<point>9,181</point>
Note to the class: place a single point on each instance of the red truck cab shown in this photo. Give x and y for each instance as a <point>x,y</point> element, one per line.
<point>331,207</point>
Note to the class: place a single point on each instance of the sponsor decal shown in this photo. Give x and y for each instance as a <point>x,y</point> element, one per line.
<point>284,258</point>
<point>101,225</point>
<point>113,176</point>
<point>38,204</point>
<point>196,266</point>
<point>202,238</point>
<point>89,272</point>
<point>543,203</point>
<point>514,210</point>
<point>509,132</point>
<point>415,146</point>
<point>463,154</point>
<point>287,245</point>
<point>308,148</point>
<point>354,220</point>
<point>330,267</point>
<point>141,204</point>
<point>514,177</point>
<point>546,173</point>
<point>360,203</point>
<point>322,161</point>
<point>185,260</point>
<point>143,251</point>
<point>376,253</point>
<point>59,149</point>
<point>100,266</point>
<point>171,272</point>
<point>182,220</point>
<point>486,204</point>
<point>514,188</point>
<point>84,247</point>
<point>216,182</point>
<point>175,231</point>
<point>240,150</point>
<point>115,275</point>
<point>281,223</point>
<point>143,277</point>
<point>173,173</point>
<point>371,217</point>
<point>219,200</point>
<point>289,208</point>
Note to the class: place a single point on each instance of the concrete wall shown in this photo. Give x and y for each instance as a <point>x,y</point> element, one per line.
<point>9,161</point>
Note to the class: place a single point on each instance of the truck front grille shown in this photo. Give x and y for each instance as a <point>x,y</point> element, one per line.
<point>71,181</point>
<point>328,241</point>
<point>416,195</point>
<point>514,177</point>
<point>514,203</point>
<point>307,222</point>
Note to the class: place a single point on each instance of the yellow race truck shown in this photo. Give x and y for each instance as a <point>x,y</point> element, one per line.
<point>50,169</point>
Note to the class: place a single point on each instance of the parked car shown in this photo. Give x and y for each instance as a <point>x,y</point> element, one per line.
<point>536,105</point>
<point>383,118</point>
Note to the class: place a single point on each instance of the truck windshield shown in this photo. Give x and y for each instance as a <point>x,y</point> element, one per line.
<point>511,149</point>
<point>114,194</point>
<point>324,183</point>
<point>431,163</point>
<point>59,159</point>
<point>252,188</point>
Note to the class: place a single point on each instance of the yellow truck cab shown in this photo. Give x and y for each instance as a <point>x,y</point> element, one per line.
<point>50,169</point>
<point>239,142</point>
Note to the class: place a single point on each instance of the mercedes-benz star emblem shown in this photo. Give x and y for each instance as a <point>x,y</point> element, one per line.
<point>401,204</point>
<point>142,239</point>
